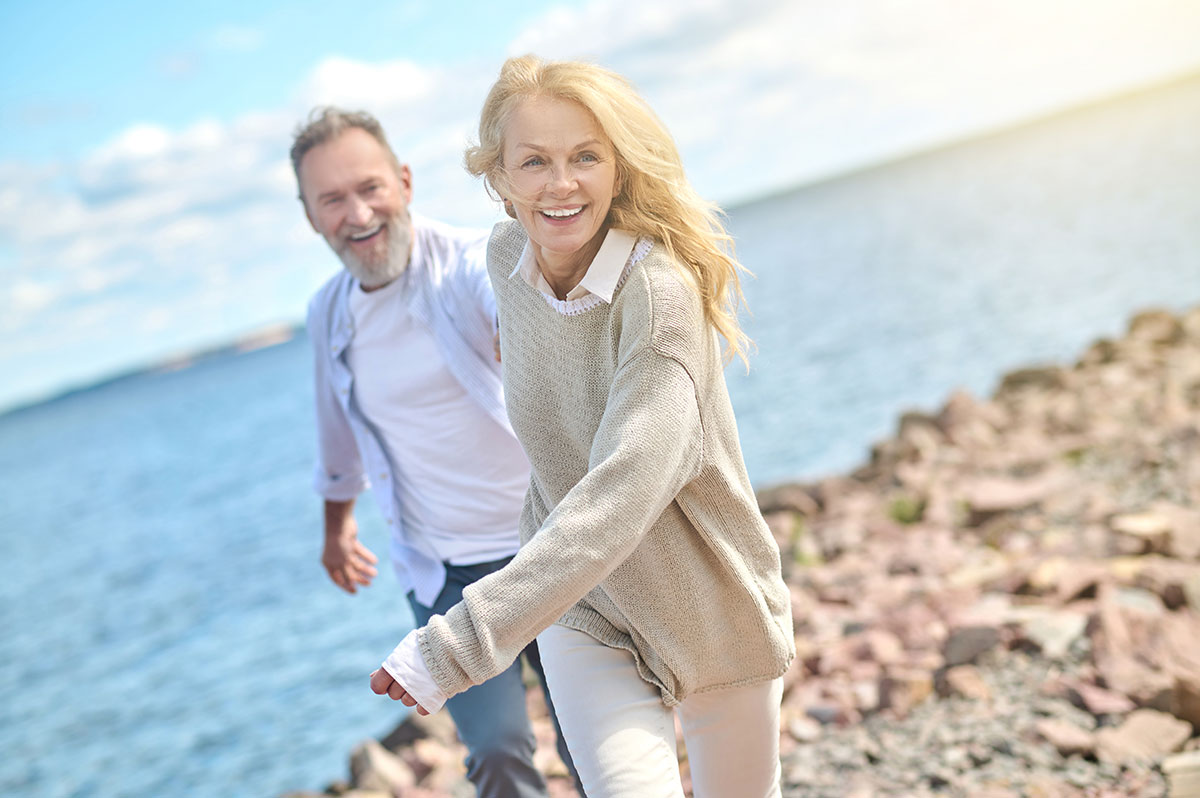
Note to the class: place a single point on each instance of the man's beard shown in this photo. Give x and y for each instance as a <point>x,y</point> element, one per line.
<point>386,266</point>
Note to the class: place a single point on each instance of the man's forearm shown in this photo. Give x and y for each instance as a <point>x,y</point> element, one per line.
<point>336,513</point>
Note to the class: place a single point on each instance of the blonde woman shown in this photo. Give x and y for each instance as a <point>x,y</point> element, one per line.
<point>646,572</point>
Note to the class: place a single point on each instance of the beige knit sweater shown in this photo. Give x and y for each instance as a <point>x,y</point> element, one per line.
<point>640,527</point>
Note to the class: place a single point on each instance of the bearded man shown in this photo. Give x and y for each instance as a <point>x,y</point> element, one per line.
<point>409,402</point>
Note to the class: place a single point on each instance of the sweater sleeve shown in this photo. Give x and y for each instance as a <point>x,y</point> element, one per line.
<point>648,446</point>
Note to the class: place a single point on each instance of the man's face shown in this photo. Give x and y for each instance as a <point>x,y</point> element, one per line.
<point>355,197</point>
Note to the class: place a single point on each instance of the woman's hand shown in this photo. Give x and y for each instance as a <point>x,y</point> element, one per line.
<point>382,683</point>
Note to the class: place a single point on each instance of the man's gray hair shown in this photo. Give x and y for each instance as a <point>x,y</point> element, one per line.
<point>326,123</point>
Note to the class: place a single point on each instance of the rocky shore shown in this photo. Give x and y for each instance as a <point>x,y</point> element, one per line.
<point>1005,601</point>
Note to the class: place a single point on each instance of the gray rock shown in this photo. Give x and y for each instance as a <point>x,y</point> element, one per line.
<point>966,643</point>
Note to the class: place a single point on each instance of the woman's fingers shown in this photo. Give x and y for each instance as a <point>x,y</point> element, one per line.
<point>382,683</point>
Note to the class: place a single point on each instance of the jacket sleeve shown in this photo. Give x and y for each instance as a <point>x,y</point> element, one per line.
<point>648,446</point>
<point>338,474</point>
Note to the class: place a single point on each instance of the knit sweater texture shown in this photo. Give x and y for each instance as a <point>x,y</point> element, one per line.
<point>640,527</point>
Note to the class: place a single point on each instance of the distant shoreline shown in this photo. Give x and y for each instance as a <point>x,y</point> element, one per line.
<point>263,337</point>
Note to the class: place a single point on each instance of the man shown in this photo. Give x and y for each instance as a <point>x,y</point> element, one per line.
<point>409,401</point>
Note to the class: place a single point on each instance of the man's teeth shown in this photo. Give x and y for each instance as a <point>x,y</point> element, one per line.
<point>562,213</point>
<point>365,235</point>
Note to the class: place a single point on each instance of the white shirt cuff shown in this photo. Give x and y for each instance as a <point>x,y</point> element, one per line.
<point>407,666</point>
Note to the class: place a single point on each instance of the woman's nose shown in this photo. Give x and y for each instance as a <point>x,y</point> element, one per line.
<point>562,180</point>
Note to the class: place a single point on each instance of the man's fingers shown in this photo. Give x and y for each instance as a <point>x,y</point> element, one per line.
<point>365,553</point>
<point>337,577</point>
<point>362,574</point>
<point>365,569</point>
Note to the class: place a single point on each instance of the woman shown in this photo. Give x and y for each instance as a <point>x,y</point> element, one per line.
<point>647,574</point>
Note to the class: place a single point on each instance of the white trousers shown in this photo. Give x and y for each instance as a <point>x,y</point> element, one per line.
<point>622,736</point>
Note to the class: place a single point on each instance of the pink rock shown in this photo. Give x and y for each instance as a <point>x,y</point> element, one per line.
<point>1156,327</point>
<point>1097,700</point>
<point>1183,774</point>
<point>1050,631</point>
<point>1150,530</point>
<point>789,498</point>
<point>904,688</point>
<point>883,646</point>
<point>1185,532</point>
<point>1181,650</point>
<point>1130,621</point>
<point>1146,736</point>
<point>990,496</point>
<point>1067,738</point>
<point>964,681</point>
<point>373,767</point>
<point>1146,686</point>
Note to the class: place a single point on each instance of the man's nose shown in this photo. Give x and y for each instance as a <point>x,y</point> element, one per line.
<point>358,211</point>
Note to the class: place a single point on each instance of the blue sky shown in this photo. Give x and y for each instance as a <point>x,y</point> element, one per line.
<point>147,207</point>
<point>80,79</point>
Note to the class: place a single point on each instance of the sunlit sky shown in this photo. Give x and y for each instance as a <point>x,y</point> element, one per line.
<point>147,207</point>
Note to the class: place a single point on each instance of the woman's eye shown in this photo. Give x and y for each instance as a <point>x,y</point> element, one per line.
<point>588,157</point>
<point>533,162</point>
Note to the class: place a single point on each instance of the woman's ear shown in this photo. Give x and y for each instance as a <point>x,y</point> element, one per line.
<point>508,207</point>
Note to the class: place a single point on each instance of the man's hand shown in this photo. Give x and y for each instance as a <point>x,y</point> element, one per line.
<point>382,683</point>
<point>347,561</point>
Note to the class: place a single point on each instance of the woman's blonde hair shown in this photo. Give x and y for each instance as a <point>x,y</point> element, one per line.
<point>655,197</point>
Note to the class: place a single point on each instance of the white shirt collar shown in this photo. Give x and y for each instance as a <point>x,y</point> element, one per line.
<point>603,273</point>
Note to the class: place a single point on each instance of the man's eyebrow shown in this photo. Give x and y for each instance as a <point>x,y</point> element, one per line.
<point>324,195</point>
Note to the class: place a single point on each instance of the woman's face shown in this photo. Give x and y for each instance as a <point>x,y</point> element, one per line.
<point>563,175</point>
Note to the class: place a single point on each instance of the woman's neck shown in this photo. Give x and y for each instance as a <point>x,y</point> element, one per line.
<point>564,272</point>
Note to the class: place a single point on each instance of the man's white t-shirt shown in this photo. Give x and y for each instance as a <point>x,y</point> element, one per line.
<point>453,463</point>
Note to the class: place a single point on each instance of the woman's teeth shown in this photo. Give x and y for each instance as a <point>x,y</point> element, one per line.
<point>562,213</point>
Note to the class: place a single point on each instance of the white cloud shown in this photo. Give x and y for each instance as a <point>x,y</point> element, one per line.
<point>137,142</point>
<point>193,234</point>
<point>342,81</point>
<point>26,296</point>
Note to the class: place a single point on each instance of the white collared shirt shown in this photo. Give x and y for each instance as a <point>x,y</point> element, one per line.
<point>599,282</point>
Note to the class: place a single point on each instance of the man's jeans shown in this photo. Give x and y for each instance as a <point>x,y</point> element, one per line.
<point>491,717</point>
